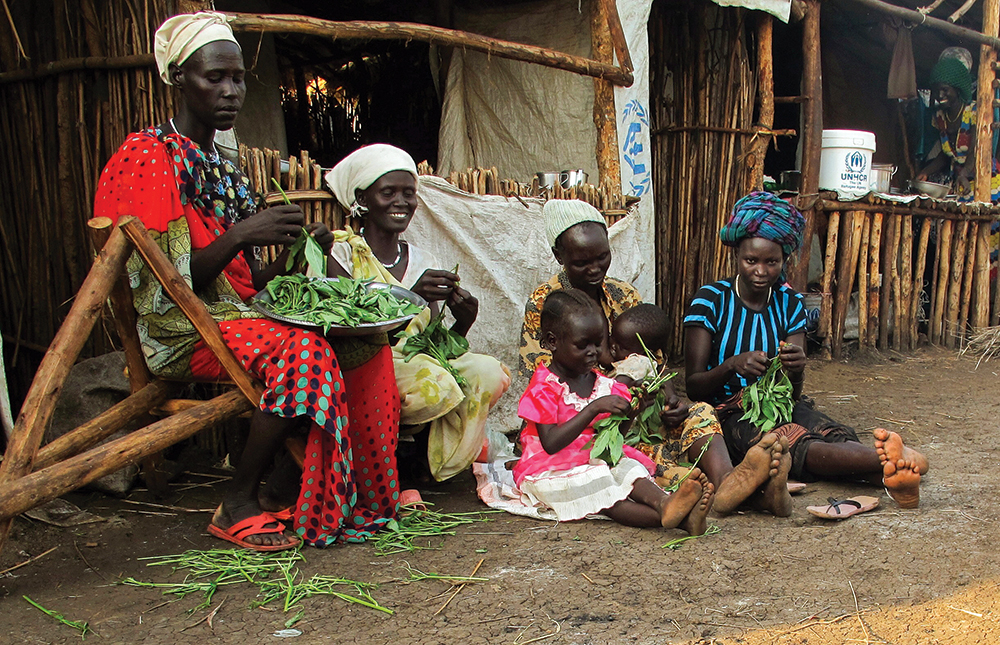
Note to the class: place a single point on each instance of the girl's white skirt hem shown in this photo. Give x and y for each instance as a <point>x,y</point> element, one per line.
<point>583,490</point>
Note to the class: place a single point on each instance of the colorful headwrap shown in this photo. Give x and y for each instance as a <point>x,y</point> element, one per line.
<point>362,168</point>
<point>951,71</point>
<point>182,35</point>
<point>762,214</point>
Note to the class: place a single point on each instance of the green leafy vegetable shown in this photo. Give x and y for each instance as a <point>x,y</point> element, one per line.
<point>440,343</point>
<point>608,442</point>
<point>326,302</point>
<point>768,401</point>
<point>306,256</point>
<point>81,626</point>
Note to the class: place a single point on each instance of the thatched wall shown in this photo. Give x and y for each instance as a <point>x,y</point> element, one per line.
<point>58,132</point>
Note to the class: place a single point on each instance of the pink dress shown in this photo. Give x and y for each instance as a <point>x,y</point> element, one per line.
<point>568,481</point>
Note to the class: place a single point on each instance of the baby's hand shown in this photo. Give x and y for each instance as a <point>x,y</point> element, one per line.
<point>609,404</point>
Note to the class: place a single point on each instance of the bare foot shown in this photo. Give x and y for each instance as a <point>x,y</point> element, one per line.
<point>902,482</point>
<point>696,523</point>
<point>678,505</point>
<point>890,447</point>
<point>749,475</point>
<point>775,495</point>
<point>225,518</point>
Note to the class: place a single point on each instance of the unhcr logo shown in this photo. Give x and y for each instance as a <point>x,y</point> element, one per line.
<point>855,166</point>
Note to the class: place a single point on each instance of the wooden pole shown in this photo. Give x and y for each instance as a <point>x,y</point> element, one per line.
<point>908,15</point>
<point>37,488</point>
<point>76,65</point>
<point>874,279</point>
<point>866,233</point>
<point>608,162</point>
<point>972,214</point>
<point>812,131</point>
<point>984,158</point>
<point>123,312</point>
<point>105,424</point>
<point>888,273</point>
<point>897,287</point>
<point>851,227</point>
<point>191,305</point>
<point>63,352</point>
<point>951,327</point>
<point>941,289</point>
<point>370,30</point>
<point>829,266</point>
<point>918,278</point>
<point>907,323</point>
<point>765,96</point>
<point>614,27</point>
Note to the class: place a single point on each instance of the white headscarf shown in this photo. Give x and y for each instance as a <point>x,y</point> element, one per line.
<point>363,167</point>
<point>180,36</point>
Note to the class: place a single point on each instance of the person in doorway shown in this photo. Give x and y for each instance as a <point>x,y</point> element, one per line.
<point>736,326</point>
<point>955,122</point>
<point>378,185</point>
<point>200,211</point>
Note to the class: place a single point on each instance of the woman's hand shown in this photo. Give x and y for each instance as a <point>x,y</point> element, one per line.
<point>278,225</point>
<point>749,363</point>
<point>464,307</point>
<point>609,404</point>
<point>322,235</point>
<point>792,357</point>
<point>963,179</point>
<point>435,284</point>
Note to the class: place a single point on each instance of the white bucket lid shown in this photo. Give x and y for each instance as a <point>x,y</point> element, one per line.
<point>849,139</point>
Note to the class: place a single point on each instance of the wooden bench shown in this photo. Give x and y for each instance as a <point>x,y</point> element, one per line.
<point>30,475</point>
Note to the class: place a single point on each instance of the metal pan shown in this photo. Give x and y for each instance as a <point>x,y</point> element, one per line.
<point>262,303</point>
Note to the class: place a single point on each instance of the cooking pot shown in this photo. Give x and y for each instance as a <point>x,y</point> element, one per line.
<point>570,178</point>
<point>547,180</point>
<point>881,177</point>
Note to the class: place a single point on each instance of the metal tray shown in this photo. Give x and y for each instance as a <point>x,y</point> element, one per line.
<point>262,303</point>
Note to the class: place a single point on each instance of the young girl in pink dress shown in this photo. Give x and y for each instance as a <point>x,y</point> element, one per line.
<point>561,404</point>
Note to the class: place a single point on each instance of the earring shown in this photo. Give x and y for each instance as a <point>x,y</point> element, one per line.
<point>358,211</point>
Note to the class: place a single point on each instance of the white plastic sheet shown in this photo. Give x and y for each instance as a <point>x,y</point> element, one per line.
<point>499,244</point>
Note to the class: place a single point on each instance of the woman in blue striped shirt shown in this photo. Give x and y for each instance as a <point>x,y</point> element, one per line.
<point>734,328</point>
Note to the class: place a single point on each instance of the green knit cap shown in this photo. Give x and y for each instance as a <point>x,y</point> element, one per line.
<point>951,71</point>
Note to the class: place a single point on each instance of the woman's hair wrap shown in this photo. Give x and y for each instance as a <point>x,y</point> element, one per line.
<point>761,214</point>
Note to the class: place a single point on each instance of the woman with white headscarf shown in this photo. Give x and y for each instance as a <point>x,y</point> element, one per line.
<point>200,210</point>
<point>378,185</point>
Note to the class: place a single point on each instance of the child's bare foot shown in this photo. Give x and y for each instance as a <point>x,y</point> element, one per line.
<point>902,482</point>
<point>676,506</point>
<point>749,475</point>
<point>696,522</point>
<point>890,447</point>
<point>775,496</point>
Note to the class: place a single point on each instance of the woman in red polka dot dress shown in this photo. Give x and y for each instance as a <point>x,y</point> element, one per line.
<point>200,210</point>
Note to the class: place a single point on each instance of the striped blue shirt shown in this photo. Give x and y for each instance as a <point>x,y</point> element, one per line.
<point>736,329</point>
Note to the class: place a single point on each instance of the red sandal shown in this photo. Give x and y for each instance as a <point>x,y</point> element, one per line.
<point>256,525</point>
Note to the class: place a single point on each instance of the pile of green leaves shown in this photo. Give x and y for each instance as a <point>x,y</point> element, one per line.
<point>418,526</point>
<point>440,343</point>
<point>276,575</point>
<point>345,302</point>
<point>609,442</point>
<point>768,402</point>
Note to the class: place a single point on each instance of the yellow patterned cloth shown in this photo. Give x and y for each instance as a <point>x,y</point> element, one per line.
<point>618,296</point>
<point>428,392</point>
<point>700,422</point>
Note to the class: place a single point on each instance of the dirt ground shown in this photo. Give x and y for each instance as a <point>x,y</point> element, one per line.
<point>888,576</point>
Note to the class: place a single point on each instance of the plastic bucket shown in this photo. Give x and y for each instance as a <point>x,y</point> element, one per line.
<point>846,160</point>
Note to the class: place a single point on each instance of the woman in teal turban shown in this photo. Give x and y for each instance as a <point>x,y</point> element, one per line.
<point>955,120</point>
